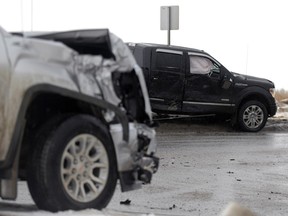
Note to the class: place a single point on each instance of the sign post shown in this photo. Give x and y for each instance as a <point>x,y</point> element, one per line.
<point>169,19</point>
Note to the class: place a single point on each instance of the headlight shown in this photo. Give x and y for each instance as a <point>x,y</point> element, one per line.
<point>272,91</point>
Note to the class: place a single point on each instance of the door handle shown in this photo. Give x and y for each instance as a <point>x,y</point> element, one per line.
<point>155,78</point>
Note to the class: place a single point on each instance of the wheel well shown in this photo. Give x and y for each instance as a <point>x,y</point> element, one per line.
<point>257,97</point>
<point>44,107</point>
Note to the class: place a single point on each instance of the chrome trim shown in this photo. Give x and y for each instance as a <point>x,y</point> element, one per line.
<point>225,99</point>
<point>208,104</point>
<point>169,51</point>
<point>204,55</point>
<point>157,99</point>
<point>241,84</point>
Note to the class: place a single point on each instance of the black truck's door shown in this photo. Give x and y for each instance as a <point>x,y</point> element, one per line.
<point>167,80</point>
<point>203,90</point>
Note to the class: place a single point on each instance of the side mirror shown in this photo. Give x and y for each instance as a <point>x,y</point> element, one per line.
<point>226,82</point>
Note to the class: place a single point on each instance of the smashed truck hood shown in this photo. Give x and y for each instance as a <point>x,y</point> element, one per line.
<point>99,54</point>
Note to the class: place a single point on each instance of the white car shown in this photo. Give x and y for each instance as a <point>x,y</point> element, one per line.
<point>74,117</point>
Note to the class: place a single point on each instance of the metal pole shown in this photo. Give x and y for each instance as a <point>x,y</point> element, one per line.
<point>31,15</point>
<point>22,16</point>
<point>169,24</point>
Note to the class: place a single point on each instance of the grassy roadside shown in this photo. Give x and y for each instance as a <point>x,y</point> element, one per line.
<point>281,95</point>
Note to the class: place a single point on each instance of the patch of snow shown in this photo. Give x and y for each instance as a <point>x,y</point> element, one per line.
<point>281,115</point>
<point>88,212</point>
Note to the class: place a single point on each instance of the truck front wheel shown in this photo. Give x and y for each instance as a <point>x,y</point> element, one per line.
<point>252,116</point>
<point>73,165</point>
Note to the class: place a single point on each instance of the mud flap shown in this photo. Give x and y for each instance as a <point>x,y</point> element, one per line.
<point>8,187</point>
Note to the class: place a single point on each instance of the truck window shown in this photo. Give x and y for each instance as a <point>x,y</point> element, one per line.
<point>200,65</point>
<point>168,61</point>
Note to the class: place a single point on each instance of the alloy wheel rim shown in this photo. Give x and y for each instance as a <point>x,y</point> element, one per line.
<point>253,116</point>
<point>84,168</point>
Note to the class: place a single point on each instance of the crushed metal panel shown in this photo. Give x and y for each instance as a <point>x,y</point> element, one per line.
<point>120,53</point>
<point>4,84</point>
<point>94,42</point>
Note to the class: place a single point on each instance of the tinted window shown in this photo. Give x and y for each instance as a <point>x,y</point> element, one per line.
<point>168,61</point>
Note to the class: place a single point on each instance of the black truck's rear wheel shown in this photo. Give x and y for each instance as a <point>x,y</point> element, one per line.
<point>73,165</point>
<point>252,116</point>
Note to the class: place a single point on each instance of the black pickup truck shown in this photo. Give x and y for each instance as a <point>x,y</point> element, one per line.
<point>190,81</point>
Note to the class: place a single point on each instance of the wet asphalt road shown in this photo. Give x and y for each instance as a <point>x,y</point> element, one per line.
<point>203,168</point>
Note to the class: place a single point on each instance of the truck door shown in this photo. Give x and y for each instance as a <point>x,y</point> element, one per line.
<point>167,80</point>
<point>203,89</point>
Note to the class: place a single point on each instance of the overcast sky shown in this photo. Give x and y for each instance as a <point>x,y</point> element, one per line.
<point>246,36</point>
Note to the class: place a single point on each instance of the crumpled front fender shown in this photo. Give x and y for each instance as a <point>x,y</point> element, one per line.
<point>135,158</point>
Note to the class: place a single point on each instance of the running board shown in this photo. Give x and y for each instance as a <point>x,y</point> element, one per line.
<point>182,116</point>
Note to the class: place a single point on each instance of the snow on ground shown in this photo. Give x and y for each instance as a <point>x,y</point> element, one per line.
<point>283,115</point>
<point>282,111</point>
<point>21,210</point>
<point>87,212</point>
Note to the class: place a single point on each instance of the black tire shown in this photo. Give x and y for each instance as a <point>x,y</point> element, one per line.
<point>87,140</point>
<point>252,116</point>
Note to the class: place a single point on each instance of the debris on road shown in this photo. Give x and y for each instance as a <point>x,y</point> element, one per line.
<point>126,202</point>
<point>174,206</point>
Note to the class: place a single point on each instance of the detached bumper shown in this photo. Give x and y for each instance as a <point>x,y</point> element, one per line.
<point>136,158</point>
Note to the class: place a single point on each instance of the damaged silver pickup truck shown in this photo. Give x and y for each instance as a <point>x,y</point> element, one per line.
<point>74,118</point>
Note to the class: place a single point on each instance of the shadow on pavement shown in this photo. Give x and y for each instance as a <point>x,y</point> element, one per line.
<point>16,207</point>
